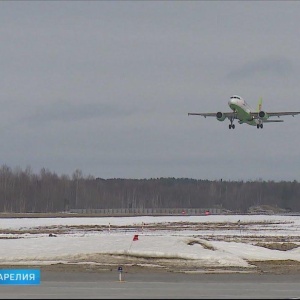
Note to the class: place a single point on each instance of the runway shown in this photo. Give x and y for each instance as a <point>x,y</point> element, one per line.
<point>161,285</point>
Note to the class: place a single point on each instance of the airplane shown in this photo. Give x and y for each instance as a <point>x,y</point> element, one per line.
<point>245,114</point>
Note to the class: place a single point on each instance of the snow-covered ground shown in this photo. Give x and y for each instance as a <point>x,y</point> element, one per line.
<point>215,240</point>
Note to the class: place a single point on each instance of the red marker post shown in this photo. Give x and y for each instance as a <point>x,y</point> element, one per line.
<point>135,238</point>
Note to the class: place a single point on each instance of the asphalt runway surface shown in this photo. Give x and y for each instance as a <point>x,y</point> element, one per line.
<point>160,285</point>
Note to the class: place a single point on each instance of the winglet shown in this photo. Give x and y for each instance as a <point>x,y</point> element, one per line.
<point>259,105</point>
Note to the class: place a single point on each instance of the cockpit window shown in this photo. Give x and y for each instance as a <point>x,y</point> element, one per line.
<point>235,97</point>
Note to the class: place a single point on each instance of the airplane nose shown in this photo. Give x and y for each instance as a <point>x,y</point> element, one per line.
<point>232,101</point>
<point>235,100</point>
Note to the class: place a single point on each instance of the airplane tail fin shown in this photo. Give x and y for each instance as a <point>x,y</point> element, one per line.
<point>259,105</point>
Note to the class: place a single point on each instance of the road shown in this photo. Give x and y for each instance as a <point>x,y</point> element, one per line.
<point>110,285</point>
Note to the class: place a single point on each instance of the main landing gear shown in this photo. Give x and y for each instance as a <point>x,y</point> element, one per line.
<point>231,125</point>
<point>260,125</point>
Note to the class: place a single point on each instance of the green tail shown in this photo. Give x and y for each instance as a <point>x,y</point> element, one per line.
<point>259,105</point>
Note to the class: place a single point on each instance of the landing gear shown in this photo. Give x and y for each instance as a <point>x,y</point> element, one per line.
<point>231,125</point>
<point>260,125</point>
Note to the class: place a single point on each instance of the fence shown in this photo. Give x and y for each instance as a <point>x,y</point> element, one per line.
<point>148,211</point>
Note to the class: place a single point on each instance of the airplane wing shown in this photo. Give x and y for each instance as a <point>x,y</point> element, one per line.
<point>283,113</point>
<point>226,115</point>
<point>272,121</point>
<point>276,114</point>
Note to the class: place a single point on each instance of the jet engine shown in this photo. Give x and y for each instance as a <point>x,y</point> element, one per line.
<point>220,116</point>
<point>263,115</point>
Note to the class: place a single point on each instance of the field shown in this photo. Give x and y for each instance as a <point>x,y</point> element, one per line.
<point>214,244</point>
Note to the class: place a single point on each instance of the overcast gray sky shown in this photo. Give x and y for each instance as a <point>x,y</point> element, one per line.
<point>106,87</point>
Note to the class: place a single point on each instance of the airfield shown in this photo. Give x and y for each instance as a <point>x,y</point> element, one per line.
<point>182,244</point>
<point>175,257</point>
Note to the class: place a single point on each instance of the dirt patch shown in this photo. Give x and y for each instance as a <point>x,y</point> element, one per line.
<point>272,267</point>
<point>277,266</point>
<point>128,268</point>
<point>278,246</point>
<point>203,244</point>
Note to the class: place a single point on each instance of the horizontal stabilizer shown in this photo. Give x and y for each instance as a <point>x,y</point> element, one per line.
<point>273,121</point>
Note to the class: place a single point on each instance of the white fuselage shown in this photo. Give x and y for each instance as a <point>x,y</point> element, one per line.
<point>242,110</point>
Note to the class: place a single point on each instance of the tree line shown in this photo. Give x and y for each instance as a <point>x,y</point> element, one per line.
<point>24,191</point>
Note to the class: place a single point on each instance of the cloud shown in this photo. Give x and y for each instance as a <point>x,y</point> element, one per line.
<point>277,67</point>
<point>66,111</point>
